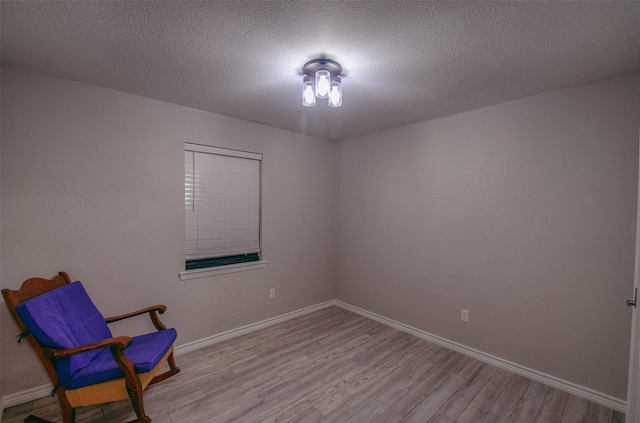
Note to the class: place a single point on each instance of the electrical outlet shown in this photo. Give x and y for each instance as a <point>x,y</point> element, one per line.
<point>464,315</point>
<point>272,293</point>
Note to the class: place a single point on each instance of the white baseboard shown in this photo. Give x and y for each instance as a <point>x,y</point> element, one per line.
<point>554,382</point>
<point>26,395</point>
<point>563,385</point>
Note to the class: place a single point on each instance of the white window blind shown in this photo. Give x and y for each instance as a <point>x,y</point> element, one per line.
<point>222,202</point>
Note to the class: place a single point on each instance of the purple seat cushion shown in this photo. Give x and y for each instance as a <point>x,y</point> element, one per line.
<point>66,317</point>
<point>145,352</point>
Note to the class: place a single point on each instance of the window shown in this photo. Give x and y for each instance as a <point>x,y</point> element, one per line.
<point>222,207</point>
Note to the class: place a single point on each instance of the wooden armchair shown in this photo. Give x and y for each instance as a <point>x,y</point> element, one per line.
<point>85,363</point>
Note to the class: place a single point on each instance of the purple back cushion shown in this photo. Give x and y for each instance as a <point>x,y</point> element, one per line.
<point>65,318</point>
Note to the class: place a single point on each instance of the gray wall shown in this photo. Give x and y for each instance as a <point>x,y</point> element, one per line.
<point>92,183</point>
<point>523,213</point>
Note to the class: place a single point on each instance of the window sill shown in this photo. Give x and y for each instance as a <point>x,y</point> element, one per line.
<point>221,270</point>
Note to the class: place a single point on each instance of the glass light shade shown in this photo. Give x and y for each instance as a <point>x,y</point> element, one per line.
<point>322,83</point>
<point>308,95</point>
<point>335,93</point>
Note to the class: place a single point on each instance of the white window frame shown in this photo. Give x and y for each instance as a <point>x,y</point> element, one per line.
<point>228,268</point>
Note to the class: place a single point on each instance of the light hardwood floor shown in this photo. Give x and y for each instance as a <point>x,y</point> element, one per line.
<point>336,366</point>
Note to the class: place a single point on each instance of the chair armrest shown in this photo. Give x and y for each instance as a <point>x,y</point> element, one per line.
<point>119,342</point>
<point>153,313</point>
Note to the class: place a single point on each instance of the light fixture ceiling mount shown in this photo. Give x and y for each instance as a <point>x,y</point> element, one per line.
<point>322,80</point>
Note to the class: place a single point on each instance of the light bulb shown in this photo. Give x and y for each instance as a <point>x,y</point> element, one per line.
<point>335,92</point>
<point>322,83</point>
<point>308,96</point>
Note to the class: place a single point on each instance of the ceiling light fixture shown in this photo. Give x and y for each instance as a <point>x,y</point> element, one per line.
<point>322,80</point>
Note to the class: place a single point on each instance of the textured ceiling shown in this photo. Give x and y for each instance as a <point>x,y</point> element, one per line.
<point>404,61</point>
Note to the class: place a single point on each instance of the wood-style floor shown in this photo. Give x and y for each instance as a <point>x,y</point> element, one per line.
<point>336,366</point>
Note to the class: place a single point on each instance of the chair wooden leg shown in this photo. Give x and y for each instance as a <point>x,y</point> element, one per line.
<point>173,369</point>
<point>134,389</point>
<point>68,412</point>
<point>172,363</point>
